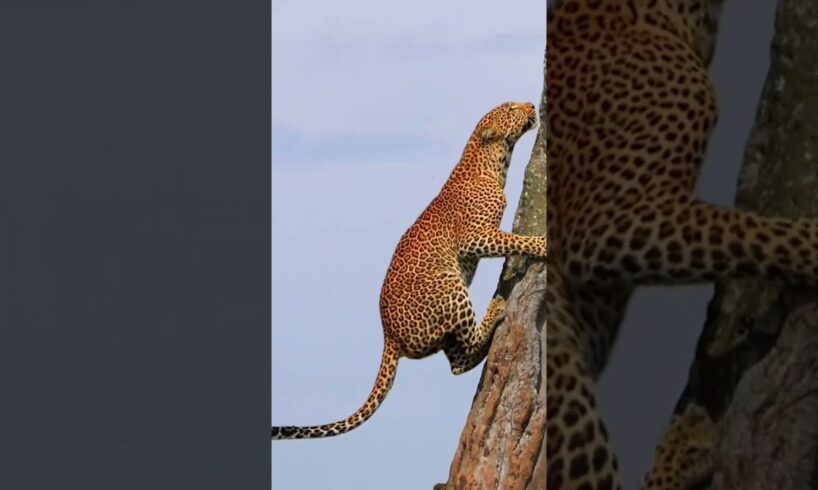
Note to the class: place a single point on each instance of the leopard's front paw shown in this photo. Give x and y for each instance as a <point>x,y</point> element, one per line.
<point>497,309</point>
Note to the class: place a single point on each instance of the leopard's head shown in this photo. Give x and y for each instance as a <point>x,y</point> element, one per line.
<point>506,123</point>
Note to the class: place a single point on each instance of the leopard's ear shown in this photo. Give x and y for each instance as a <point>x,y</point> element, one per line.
<point>489,133</point>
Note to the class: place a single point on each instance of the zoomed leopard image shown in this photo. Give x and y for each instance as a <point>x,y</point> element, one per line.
<point>630,112</point>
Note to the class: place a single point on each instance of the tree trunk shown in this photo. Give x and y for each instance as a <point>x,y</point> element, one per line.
<point>756,362</point>
<point>504,434</point>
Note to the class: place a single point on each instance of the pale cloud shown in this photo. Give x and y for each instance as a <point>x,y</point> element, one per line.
<point>291,147</point>
<point>401,68</point>
<point>444,22</point>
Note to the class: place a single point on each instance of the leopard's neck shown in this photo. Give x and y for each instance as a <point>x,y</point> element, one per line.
<point>490,160</point>
<point>693,21</point>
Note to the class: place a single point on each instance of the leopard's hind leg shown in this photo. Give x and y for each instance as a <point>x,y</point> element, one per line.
<point>579,453</point>
<point>470,342</point>
<point>447,322</point>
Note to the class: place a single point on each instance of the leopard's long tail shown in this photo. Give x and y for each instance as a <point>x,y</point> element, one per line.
<point>386,375</point>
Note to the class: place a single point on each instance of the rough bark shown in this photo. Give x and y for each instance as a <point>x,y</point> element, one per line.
<point>770,431</point>
<point>755,365</point>
<point>504,434</point>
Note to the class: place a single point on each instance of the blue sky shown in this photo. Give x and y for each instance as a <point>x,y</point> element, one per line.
<point>372,103</point>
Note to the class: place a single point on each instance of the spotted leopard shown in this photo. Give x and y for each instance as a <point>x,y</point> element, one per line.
<point>424,301</point>
<point>630,112</point>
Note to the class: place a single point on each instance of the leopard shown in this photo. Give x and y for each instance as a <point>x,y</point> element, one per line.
<point>630,110</point>
<point>424,300</point>
<point>686,456</point>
